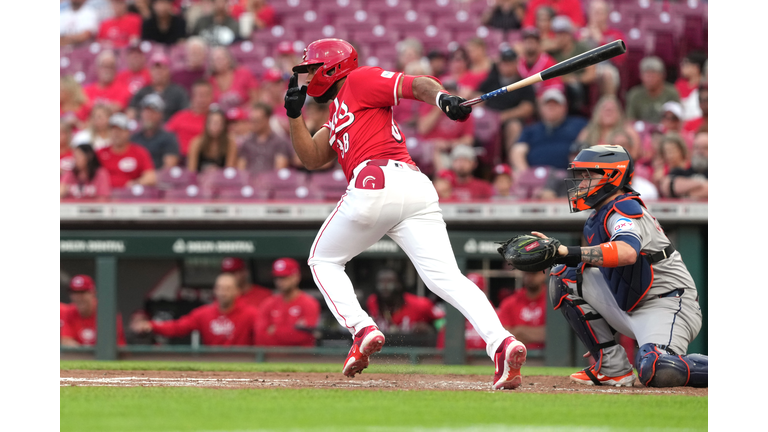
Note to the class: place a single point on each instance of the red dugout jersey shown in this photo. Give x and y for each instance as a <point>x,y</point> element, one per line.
<point>518,309</point>
<point>83,329</point>
<point>415,310</point>
<point>237,327</point>
<point>361,119</point>
<point>278,321</point>
<point>255,296</point>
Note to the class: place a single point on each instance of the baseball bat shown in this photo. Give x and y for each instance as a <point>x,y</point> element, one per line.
<point>589,58</point>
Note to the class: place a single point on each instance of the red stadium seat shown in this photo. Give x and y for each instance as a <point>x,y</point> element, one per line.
<point>136,192</point>
<point>330,184</point>
<point>488,134</point>
<point>285,8</point>
<point>187,193</point>
<point>214,180</point>
<point>297,193</point>
<point>532,180</point>
<point>175,177</point>
<point>359,20</point>
<point>243,193</point>
<point>285,178</point>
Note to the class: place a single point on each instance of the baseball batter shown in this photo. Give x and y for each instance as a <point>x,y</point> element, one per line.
<point>387,195</point>
<point>628,279</point>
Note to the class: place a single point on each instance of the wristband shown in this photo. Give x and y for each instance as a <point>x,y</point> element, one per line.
<point>573,257</point>
<point>408,86</point>
<point>437,98</point>
<point>610,254</point>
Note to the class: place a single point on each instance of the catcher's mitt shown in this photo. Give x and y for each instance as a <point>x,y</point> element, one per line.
<point>530,253</point>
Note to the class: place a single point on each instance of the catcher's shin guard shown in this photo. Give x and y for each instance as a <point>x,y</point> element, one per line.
<point>658,367</point>
<point>589,326</point>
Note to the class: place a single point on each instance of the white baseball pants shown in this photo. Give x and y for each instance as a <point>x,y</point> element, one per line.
<point>407,211</point>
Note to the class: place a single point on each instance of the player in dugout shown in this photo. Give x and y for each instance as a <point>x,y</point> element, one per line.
<point>225,322</point>
<point>78,321</point>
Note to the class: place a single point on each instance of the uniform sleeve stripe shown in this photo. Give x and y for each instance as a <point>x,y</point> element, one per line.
<point>397,85</point>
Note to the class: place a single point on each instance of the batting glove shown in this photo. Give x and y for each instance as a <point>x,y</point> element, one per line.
<point>295,97</point>
<point>450,105</point>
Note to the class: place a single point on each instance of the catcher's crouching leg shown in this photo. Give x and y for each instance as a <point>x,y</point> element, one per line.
<point>656,367</point>
<point>593,331</point>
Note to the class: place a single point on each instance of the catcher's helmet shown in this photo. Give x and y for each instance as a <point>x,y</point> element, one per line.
<point>336,58</point>
<point>612,162</point>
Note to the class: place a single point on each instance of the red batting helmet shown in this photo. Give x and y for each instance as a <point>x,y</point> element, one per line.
<point>336,58</point>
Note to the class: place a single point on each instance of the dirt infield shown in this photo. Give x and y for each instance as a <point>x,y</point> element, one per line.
<point>254,380</point>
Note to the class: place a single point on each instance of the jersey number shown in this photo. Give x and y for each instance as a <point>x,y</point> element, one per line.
<point>342,115</point>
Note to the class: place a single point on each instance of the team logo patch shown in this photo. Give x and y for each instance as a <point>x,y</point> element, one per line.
<point>127,164</point>
<point>387,74</point>
<point>623,224</point>
<point>370,177</point>
<point>532,246</point>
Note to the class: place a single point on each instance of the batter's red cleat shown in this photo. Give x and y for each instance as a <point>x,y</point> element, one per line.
<point>588,376</point>
<point>509,358</point>
<point>367,341</point>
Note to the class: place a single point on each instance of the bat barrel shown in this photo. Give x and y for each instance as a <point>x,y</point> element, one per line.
<point>589,58</point>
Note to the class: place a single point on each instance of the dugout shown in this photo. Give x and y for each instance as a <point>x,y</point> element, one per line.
<point>134,248</point>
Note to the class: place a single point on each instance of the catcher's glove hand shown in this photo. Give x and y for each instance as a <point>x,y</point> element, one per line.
<point>530,253</point>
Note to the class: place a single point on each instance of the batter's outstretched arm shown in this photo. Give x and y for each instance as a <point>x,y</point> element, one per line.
<point>425,89</point>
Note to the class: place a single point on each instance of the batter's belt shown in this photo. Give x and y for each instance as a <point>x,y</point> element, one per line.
<point>390,162</point>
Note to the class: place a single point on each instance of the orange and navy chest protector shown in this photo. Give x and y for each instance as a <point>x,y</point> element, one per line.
<point>629,283</point>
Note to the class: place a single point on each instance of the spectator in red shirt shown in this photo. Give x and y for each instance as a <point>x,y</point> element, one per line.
<point>135,75</point>
<point>225,322</point>
<point>78,326</point>
<point>397,311</point>
<point>250,293</point>
<point>122,29</point>
<point>128,164</point>
<point>254,15</point>
<point>466,186</point>
<point>443,183</point>
<point>532,59</point>
<point>443,133</point>
<point>472,339</point>
<point>545,15</point>
<point>289,317</point>
<point>480,63</point>
<point>87,179</point>
<point>233,86</point>
<point>691,77</point>
<point>571,8</point>
<point>524,313</point>
<point>107,89</point>
<point>195,63</point>
<point>700,123</point>
<point>63,311</point>
<point>189,123</point>
<point>597,32</point>
<point>213,149</point>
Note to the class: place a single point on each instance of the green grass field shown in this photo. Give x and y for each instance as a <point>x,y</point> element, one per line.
<point>152,409</point>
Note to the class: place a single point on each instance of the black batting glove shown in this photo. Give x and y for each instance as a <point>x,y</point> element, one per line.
<point>450,105</point>
<point>295,97</point>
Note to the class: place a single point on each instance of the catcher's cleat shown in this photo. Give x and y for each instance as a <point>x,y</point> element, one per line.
<point>509,358</point>
<point>367,341</point>
<point>589,377</point>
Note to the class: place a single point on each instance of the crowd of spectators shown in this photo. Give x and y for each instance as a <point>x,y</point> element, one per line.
<point>166,90</point>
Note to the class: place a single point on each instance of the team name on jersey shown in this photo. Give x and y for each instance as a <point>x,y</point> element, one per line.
<point>341,119</point>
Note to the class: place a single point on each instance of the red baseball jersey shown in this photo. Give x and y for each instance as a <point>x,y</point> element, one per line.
<point>239,91</point>
<point>474,189</point>
<point>415,310</point>
<point>361,119</point>
<point>544,62</point>
<point>236,327</point>
<point>255,296</point>
<point>186,124</point>
<point>278,320</point>
<point>83,329</point>
<point>134,81</point>
<point>116,93</point>
<point>125,166</point>
<point>64,310</point>
<point>120,30</point>
<point>518,309</point>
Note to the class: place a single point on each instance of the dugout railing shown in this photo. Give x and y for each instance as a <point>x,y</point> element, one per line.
<point>108,233</point>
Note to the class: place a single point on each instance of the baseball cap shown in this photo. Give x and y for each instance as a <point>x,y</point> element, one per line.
<point>447,175</point>
<point>508,54</point>
<point>562,23</point>
<point>159,58</point>
<point>285,267</point>
<point>285,47</point>
<point>530,32</point>
<point>236,114</point>
<point>230,264</point>
<point>651,63</point>
<point>673,107</point>
<point>465,151</point>
<point>477,279</point>
<point>553,94</point>
<point>153,101</point>
<point>120,120</point>
<point>502,169</point>
<point>82,283</point>
<point>272,75</point>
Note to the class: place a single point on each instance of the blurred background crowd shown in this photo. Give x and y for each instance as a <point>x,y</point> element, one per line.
<point>183,99</point>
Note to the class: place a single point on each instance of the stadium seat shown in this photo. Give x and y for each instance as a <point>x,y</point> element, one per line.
<point>297,193</point>
<point>285,178</point>
<point>175,177</point>
<point>532,180</point>
<point>247,51</point>
<point>216,179</point>
<point>187,193</point>
<point>330,184</point>
<point>136,192</point>
<point>285,8</point>
<point>488,134</point>
<point>408,20</point>
<point>383,8</point>
<point>359,20</point>
<point>243,193</point>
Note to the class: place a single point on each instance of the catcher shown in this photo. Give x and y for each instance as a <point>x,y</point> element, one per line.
<point>628,279</point>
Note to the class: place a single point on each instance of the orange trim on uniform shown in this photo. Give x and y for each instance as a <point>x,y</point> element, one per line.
<point>562,270</point>
<point>654,368</point>
<point>560,302</point>
<point>646,290</point>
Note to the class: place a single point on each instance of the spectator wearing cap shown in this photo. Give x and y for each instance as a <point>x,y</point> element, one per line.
<point>443,134</point>
<point>195,63</point>
<point>504,15</point>
<point>87,178</point>
<point>218,27</point>
<point>233,85</point>
<point>107,89</point>
<point>443,183</point>
<point>136,74</point>
<point>128,164</point>
<point>239,127</point>
<point>570,8</point>
<point>190,122</point>
<point>79,321</point>
<point>290,316</point>
<point>250,293</point>
<point>164,26</point>
<point>515,108</point>
<point>503,183</point>
<point>687,85</point>
<point>691,182</point>
<point>213,149</point>
<point>263,150</point>
<point>161,144</point>
<point>671,121</point>
<point>548,141</point>
<point>122,29</point>
<point>286,58</point>
<point>253,15</point>
<point>524,312</point>
<point>472,339</point>
<point>174,97</point>
<point>77,24</point>
<point>577,83</point>
<point>272,92</point>
<point>644,101</point>
<point>532,60</point>
<point>225,322</point>
<point>466,186</point>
